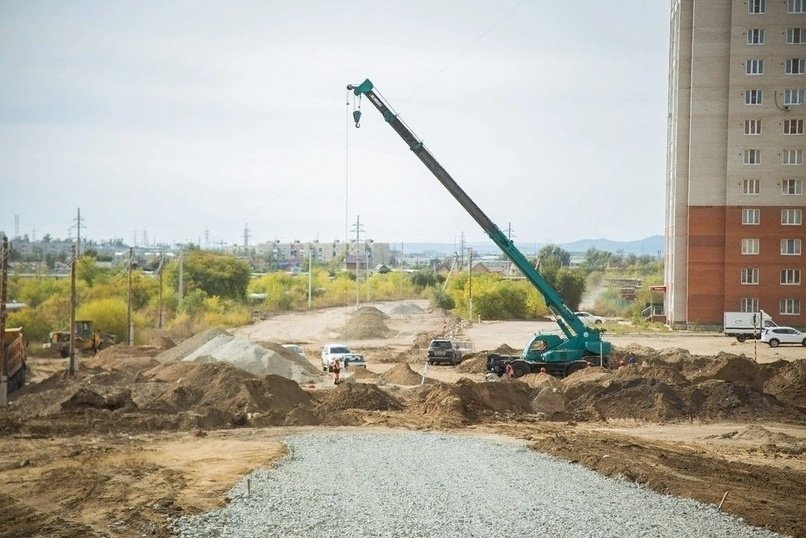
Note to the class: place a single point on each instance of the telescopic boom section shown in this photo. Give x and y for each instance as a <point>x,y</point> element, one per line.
<point>553,299</point>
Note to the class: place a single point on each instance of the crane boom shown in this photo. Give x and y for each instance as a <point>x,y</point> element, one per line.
<point>581,340</point>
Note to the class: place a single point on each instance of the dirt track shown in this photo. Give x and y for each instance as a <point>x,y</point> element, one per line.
<point>131,442</point>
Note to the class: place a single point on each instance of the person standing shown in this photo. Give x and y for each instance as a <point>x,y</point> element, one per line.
<point>336,371</point>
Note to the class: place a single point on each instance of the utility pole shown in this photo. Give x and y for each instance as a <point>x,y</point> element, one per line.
<point>3,297</point>
<point>129,328</point>
<point>72,366</point>
<point>358,231</point>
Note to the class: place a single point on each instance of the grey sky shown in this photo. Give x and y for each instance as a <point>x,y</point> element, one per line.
<point>178,117</point>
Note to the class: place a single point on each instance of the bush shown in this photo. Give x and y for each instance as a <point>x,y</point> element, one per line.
<point>442,299</point>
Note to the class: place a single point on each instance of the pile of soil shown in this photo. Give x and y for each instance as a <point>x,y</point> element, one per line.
<point>467,401</point>
<point>659,392</point>
<point>357,396</point>
<point>365,323</point>
<point>256,358</point>
<point>541,380</point>
<point>788,384</point>
<point>188,346</point>
<point>362,373</point>
<point>473,364</point>
<point>406,309</point>
<point>162,342</point>
<point>402,374</point>
<point>504,349</point>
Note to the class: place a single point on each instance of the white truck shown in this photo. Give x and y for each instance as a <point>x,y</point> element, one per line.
<point>744,325</point>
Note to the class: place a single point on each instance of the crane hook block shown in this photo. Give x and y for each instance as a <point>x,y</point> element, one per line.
<point>357,118</point>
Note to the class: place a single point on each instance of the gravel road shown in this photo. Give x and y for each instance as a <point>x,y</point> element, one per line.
<point>407,484</point>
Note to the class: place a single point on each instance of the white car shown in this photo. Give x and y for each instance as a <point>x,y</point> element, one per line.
<point>774,336</point>
<point>589,319</point>
<point>348,359</point>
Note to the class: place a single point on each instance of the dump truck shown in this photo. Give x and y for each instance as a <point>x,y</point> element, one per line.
<point>88,339</point>
<point>552,353</point>
<point>16,357</point>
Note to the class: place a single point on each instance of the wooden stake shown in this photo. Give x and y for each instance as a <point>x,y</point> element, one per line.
<point>722,501</point>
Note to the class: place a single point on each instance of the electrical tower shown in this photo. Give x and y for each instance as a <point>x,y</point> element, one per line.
<point>246,236</point>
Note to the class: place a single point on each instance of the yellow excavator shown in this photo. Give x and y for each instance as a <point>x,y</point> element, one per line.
<point>88,340</point>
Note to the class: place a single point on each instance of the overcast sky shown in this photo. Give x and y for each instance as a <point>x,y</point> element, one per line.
<point>179,117</point>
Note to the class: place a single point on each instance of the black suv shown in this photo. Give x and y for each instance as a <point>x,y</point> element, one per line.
<point>444,351</point>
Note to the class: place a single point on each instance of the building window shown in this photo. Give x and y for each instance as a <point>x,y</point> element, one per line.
<point>749,276</point>
<point>754,67</point>
<point>753,97</point>
<point>789,247</point>
<point>756,7</point>
<point>751,186</point>
<point>795,66</point>
<point>794,97</point>
<point>793,127</point>
<point>790,277</point>
<point>748,304</point>
<point>790,307</point>
<point>794,36</point>
<point>755,36</point>
<point>751,216</point>
<point>752,127</point>
<point>792,186</point>
<point>750,247</point>
<point>752,156</point>
<point>796,6</point>
<point>793,156</point>
<point>791,217</point>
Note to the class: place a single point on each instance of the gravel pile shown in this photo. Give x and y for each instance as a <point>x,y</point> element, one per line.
<point>431,485</point>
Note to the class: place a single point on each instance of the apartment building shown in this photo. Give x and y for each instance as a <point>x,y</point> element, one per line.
<point>736,179</point>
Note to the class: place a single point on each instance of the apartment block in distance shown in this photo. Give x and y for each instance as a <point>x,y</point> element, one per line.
<point>736,178</point>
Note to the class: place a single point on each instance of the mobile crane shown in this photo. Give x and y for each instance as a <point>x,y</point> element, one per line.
<point>551,353</point>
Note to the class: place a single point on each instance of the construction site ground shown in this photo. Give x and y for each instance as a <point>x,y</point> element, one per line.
<point>136,438</point>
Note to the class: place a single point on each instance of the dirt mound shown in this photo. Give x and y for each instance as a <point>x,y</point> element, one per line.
<point>422,339</point>
<point>85,398</point>
<point>402,374</point>
<point>504,349</point>
<point>122,350</point>
<point>550,401</point>
<point>760,433</point>
<point>114,362</point>
<point>162,342</point>
<point>365,323</point>
<point>370,311</point>
<point>406,309</point>
<point>788,382</point>
<point>734,369</point>
<point>189,386</point>
<point>658,371</point>
<point>255,358</point>
<point>467,401</point>
<point>473,364</point>
<point>188,346</point>
<point>541,380</point>
<point>358,396</point>
<point>362,373</point>
<point>715,399</point>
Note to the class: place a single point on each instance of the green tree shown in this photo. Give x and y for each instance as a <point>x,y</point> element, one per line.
<point>553,257</point>
<point>215,274</point>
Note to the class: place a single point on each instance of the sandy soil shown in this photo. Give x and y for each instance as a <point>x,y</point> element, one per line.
<point>133,472</point>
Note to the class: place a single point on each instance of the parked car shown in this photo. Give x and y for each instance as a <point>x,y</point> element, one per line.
<point>348,359</point>
<point>589,319</point>
<point>774,336</point>
<point>444,351</point>
<point>295,348</point>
